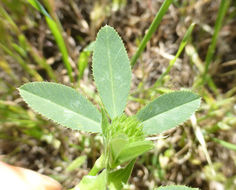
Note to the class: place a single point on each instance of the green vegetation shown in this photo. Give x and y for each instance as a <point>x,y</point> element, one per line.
<point>185,50</point>
<point>55,29</point>
<point>151,30</point>
<point>112,74</point>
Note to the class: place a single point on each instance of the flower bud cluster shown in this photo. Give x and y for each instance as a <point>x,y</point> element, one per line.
<point>126,126</point>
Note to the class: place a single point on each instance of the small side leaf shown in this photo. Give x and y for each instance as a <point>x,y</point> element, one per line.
<point>119,177</point>
<point>176,187</point>
<point>111,70</point>
<point>98,166</point>
<point>133,150</point>
<point>90,47</point>
<point>83,62</point>
<point>93,182</point>
<point>83,59</point>
<point>62,104</point>
<point>116,148</point>
<point>168,111</point>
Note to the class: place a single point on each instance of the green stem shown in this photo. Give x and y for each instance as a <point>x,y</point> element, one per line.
<point>151,30</point>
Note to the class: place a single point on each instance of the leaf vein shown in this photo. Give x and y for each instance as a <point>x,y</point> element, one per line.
<point>171,109</point>
<point>93,121</point>
<point>111,74</point>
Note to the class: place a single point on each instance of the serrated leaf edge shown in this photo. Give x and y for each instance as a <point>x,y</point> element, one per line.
<point>50,119</point>
<point>107,26</point>
<point>164,112</point>
<point>167,94</point>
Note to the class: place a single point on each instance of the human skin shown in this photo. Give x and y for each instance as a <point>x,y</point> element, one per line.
<point>12,178</point>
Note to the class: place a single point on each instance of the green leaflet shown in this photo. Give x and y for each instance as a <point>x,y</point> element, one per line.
<point>111,70</point>
<point>168,111</point>
<point>62,104</point>
<point>119,177</point>
<point>176,187</point>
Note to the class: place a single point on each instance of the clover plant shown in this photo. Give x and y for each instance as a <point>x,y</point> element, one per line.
<point>123,137</point>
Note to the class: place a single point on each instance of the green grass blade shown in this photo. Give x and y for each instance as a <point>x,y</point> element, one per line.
<point>172,62</point>
<point>168,111</point>
<point>225,144</point>
<point>62,104</point>
<point>38,59</point>
<point>151,30</point>
<point>42,62</point>
<point>83,59</point>
<point>61,45</point>
<point>55,29</point>
<point>6,16</point>
<point>7,69</point>
<point>83,62</point>
<point>23,64</point>
<point>75,164</point>
<point>111,70</point>
<point>39,7</point>
<point>219,20</point>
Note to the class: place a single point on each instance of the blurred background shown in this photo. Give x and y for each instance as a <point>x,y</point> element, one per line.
<point>56,45</point>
